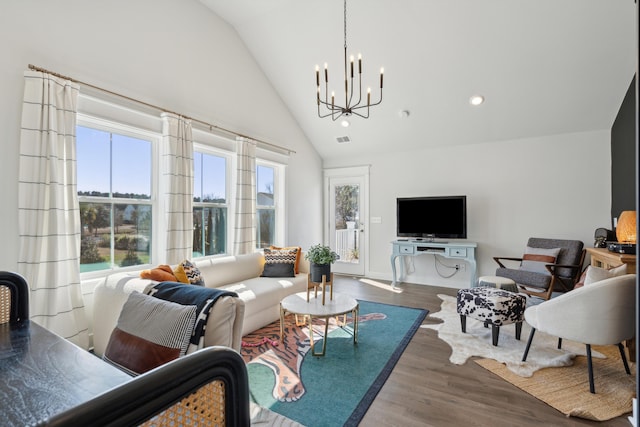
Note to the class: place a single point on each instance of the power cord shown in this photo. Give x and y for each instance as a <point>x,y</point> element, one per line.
<point>436,261</point>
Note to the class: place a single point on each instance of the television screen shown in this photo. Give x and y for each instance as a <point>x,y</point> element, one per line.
<point>432,217</point>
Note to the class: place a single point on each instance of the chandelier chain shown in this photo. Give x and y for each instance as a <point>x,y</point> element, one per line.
<point>345,24</point>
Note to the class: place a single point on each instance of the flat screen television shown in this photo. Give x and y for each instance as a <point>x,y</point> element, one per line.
<point>432,217</point>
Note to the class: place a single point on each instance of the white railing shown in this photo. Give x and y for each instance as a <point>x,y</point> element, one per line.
<point>348,244</point>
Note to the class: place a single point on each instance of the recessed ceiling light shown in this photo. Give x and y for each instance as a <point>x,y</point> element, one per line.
<point>404,114</point>
<point>476,100</point>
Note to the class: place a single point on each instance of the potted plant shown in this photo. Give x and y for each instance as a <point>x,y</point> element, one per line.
<point>320,258</point>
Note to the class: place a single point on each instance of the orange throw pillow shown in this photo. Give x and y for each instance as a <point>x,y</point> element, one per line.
<point>162,273</point>
<point>296,265</point>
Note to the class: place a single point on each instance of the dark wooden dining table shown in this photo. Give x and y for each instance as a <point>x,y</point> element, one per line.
<point>42,374</point>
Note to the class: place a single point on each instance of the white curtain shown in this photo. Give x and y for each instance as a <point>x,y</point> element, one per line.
<point>48,209</point>
<point>177,158</point>
<point>245,234</point>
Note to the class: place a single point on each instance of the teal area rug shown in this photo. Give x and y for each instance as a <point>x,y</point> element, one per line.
<point>337,389</point>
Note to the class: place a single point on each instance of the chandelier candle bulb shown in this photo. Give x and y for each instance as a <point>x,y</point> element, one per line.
<point>360,63</point>
<point>326,72</point>
<point>381,76</point>
<point>368,96</point>
<point>351,66</point>
<point>318,77</point>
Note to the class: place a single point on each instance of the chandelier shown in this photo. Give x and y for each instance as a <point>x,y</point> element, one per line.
<point>351,106</point>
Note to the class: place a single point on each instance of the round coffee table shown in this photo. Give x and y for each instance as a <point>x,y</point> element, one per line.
<point>340,305</point>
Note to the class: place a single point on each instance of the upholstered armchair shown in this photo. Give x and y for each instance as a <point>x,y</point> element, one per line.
<point>547,265</point>
<point>600,313</point>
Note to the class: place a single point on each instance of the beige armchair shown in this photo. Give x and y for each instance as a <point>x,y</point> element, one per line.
<point>601,313</point>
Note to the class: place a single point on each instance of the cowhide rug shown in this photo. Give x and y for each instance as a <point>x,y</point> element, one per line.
<point>477,342</point>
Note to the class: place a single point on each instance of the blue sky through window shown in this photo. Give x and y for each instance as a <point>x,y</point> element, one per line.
<point>128,172</point>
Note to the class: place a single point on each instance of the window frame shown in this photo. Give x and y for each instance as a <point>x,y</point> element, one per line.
<point>228,157</point>
<point>154,138</point>
<point>278,200</point>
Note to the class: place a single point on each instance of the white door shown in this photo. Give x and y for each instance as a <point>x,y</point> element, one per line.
<point>347,215</point>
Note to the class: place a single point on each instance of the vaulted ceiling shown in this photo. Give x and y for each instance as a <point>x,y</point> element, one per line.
<point>544,66</point>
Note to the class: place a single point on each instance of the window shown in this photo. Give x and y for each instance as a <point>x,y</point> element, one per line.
<point>209,204</point>
<point>265,206</point>
<point>114,190</point>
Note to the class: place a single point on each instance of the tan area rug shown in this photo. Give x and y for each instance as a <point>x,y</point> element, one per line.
<point>567,388</point>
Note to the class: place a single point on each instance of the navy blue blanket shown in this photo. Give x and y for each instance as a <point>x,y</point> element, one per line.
<point>187,294</point>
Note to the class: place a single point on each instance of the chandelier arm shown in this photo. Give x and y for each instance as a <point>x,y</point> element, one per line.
<point>331,110</point>
<point>361,115</point>
<point>330,105</point>
<point>379,100</point>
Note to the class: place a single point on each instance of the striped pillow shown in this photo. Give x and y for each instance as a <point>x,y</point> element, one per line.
<point>150,332</point>
<point>535,259</point>
<point>279,263</point>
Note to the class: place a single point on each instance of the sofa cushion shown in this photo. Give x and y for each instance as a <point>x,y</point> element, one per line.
<point>149,333</point>
<point>279,263</point>
<point>535,259</point>
<point>262,293</point>
<point>187,272</point>
<point>224,270</point>
<point>296,268</point>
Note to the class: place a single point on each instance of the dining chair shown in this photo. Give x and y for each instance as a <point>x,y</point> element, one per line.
<point>14,298</point>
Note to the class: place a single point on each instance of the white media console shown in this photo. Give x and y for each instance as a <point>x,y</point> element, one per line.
<point>461,250</point>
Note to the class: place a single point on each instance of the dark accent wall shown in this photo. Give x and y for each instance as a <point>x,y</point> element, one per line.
<point>623,155</point>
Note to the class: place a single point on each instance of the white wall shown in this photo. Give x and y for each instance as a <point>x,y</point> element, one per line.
<point>171,53</point>
<point>557,186</point>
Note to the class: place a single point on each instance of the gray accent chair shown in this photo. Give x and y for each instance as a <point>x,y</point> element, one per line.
<point>560,276</point>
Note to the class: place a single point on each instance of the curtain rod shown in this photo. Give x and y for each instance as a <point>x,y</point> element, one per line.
<point>207,124</point>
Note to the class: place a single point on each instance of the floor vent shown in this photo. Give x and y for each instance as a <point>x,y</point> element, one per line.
<point>343,139</point>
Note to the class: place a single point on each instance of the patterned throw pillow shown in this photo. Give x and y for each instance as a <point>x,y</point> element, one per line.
<point>296,268</point>
<point>279,263</point>
<point>535,259</point>
<point>150,332</point>
<point>187,272</point>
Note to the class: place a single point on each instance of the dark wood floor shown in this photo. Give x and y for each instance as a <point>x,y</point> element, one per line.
<point>425,389</point>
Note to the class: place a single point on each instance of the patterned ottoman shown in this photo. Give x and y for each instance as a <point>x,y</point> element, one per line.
<point>491,306</point>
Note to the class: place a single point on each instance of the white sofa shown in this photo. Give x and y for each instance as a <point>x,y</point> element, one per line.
<point>257,306</point>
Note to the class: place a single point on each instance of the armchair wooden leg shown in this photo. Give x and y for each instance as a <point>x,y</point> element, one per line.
<point>559,343</point>
<point>592,388</point>
<point>526,350</point>
<point>624,359</point>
